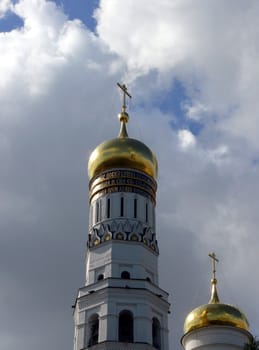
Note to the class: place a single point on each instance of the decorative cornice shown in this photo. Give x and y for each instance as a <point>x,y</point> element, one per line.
<point>122,180</point>
<point>122,230</point>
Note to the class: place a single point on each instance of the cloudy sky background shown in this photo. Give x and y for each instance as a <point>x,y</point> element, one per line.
<point>192,68</point>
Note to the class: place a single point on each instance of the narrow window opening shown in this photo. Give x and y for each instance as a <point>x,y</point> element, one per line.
<point>93,330</point>
<point>122,206</point>
<point>100,210</point>
<point>135,207</point>
<point>125,275</point>
<point>100,277</point>
<point>146,212</point>
<point>91,216</point>
<point>108,213</point>
<point>97,211</point>
<point>156,333</point>
<point>126,327</point>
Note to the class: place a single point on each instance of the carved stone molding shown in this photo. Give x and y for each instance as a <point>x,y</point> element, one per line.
<point>123,230</point>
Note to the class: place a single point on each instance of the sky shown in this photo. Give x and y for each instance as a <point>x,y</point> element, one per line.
<point>192,69</point>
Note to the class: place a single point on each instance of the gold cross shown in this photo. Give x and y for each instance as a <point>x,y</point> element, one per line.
<point>214,259</point>
<point>125,92</point>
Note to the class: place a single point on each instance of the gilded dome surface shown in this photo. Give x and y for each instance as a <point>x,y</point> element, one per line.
<point>215,312</point>
<point>122,152</point>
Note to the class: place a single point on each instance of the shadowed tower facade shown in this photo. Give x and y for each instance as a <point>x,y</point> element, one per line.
<point>121,305</point>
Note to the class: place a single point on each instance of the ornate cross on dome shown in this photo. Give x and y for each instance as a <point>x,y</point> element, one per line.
<point>125,92</point>
<point>214,260</point>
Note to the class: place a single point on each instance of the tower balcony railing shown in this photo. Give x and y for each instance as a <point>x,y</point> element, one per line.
<point>123,283</point>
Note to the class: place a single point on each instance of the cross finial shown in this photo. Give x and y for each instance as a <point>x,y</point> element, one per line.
<point>214,260</point>
<point>125,92</point>
<point>214,299</point>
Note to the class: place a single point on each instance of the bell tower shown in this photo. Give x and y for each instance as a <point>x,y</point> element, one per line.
<point>121,305</point>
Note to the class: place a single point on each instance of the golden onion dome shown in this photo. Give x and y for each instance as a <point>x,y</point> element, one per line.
<point>122,152</point>
<point>215,313</point>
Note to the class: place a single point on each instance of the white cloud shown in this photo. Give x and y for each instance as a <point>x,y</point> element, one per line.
<point>56,81</point>
<point>58,100</point>
<point>5,5</point>
<point>211,47</point>
<point>196,110</point>
<point>186,139</point>
<point>219,154</point>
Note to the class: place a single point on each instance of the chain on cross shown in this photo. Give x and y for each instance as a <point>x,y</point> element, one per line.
<point>214,260</point>
<point>125,93</point>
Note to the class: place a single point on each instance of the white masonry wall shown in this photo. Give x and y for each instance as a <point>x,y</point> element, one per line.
<point>145,208</point>
<point>113,257</point>
<point>216,338</point>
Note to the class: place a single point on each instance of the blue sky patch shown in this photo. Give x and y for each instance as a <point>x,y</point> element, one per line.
<point>10,21</point>
<point>172,101</point>
<point>187,123</point>
<point>81,9</point>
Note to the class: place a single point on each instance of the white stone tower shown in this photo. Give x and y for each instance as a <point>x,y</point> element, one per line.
<point>121,305</point>
<point>216,326</point>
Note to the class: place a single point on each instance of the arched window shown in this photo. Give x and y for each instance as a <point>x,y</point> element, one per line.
<point>93,330</point>
<point>156,336</point>
<point>126,327</point>
<point>125,275</point>
<point>100,277</point>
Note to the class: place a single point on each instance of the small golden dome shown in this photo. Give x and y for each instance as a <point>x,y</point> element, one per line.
<point>122,152</point>
<point>215,313</point>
